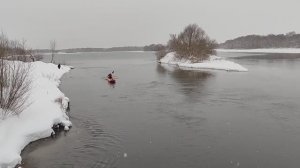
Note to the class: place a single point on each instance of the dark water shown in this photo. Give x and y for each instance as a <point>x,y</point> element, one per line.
<point>162,117</point>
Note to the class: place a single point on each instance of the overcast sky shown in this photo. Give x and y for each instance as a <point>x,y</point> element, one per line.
<point>108,23</point>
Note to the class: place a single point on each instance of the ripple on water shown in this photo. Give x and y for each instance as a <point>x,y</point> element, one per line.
<point>103,147</point>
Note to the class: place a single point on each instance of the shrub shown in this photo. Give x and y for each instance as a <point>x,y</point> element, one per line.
<point>14,78</point>
<point>192,44</point>
<point>161,53</point>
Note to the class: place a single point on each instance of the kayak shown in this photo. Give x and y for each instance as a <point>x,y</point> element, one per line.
<point>111,81</point>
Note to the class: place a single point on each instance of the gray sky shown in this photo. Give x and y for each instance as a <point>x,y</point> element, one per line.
<point>108,23</point>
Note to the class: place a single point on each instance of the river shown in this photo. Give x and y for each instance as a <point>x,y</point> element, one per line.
<point>162,117</point>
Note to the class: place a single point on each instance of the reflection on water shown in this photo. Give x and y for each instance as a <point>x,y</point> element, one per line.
<point>193,82</point>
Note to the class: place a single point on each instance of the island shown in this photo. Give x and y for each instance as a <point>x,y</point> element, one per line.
<point>193,48</point>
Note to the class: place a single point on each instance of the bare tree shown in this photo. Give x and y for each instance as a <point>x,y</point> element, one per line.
<point>52,49</point>
<point>192,44</point>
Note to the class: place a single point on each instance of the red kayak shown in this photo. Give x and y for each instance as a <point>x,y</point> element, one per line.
<point>111,81</point>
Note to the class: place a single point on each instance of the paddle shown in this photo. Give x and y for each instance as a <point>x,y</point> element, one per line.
<point>115,77</point>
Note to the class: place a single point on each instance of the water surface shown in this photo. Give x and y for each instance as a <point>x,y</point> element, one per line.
<point>160,116</point>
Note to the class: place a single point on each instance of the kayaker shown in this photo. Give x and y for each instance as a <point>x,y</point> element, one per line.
<point>109,76</point>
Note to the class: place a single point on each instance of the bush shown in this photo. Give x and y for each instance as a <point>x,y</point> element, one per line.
<point>14,87</point>
<point>14,78</point>
<point>192,44</point>
<point>161,53</point>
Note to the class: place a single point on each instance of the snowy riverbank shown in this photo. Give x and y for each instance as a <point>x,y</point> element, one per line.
<point>47,106</point>
<point>214,62</point>
<point>263,50</point>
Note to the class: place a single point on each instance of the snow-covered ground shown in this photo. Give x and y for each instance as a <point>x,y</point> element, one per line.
<point>214,62</point>
<point>263,50</point>
<point>47,106</point>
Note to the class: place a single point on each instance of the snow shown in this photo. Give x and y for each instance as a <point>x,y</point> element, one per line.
<point>213,62</point>
<point>263,50</point>
<point>47,106</point>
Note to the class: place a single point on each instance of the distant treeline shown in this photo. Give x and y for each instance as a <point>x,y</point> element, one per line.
<point>152,47</point>
<point>73,50</point>
<point>289,40</point>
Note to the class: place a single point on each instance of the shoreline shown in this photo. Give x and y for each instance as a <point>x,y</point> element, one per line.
<point>213,63</point>
<point>48,109</point>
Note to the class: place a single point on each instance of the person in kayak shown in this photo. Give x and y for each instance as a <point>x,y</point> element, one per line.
<point>110,78</point>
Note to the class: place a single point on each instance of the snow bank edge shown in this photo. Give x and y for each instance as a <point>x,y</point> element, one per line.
<point>213,63</point>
